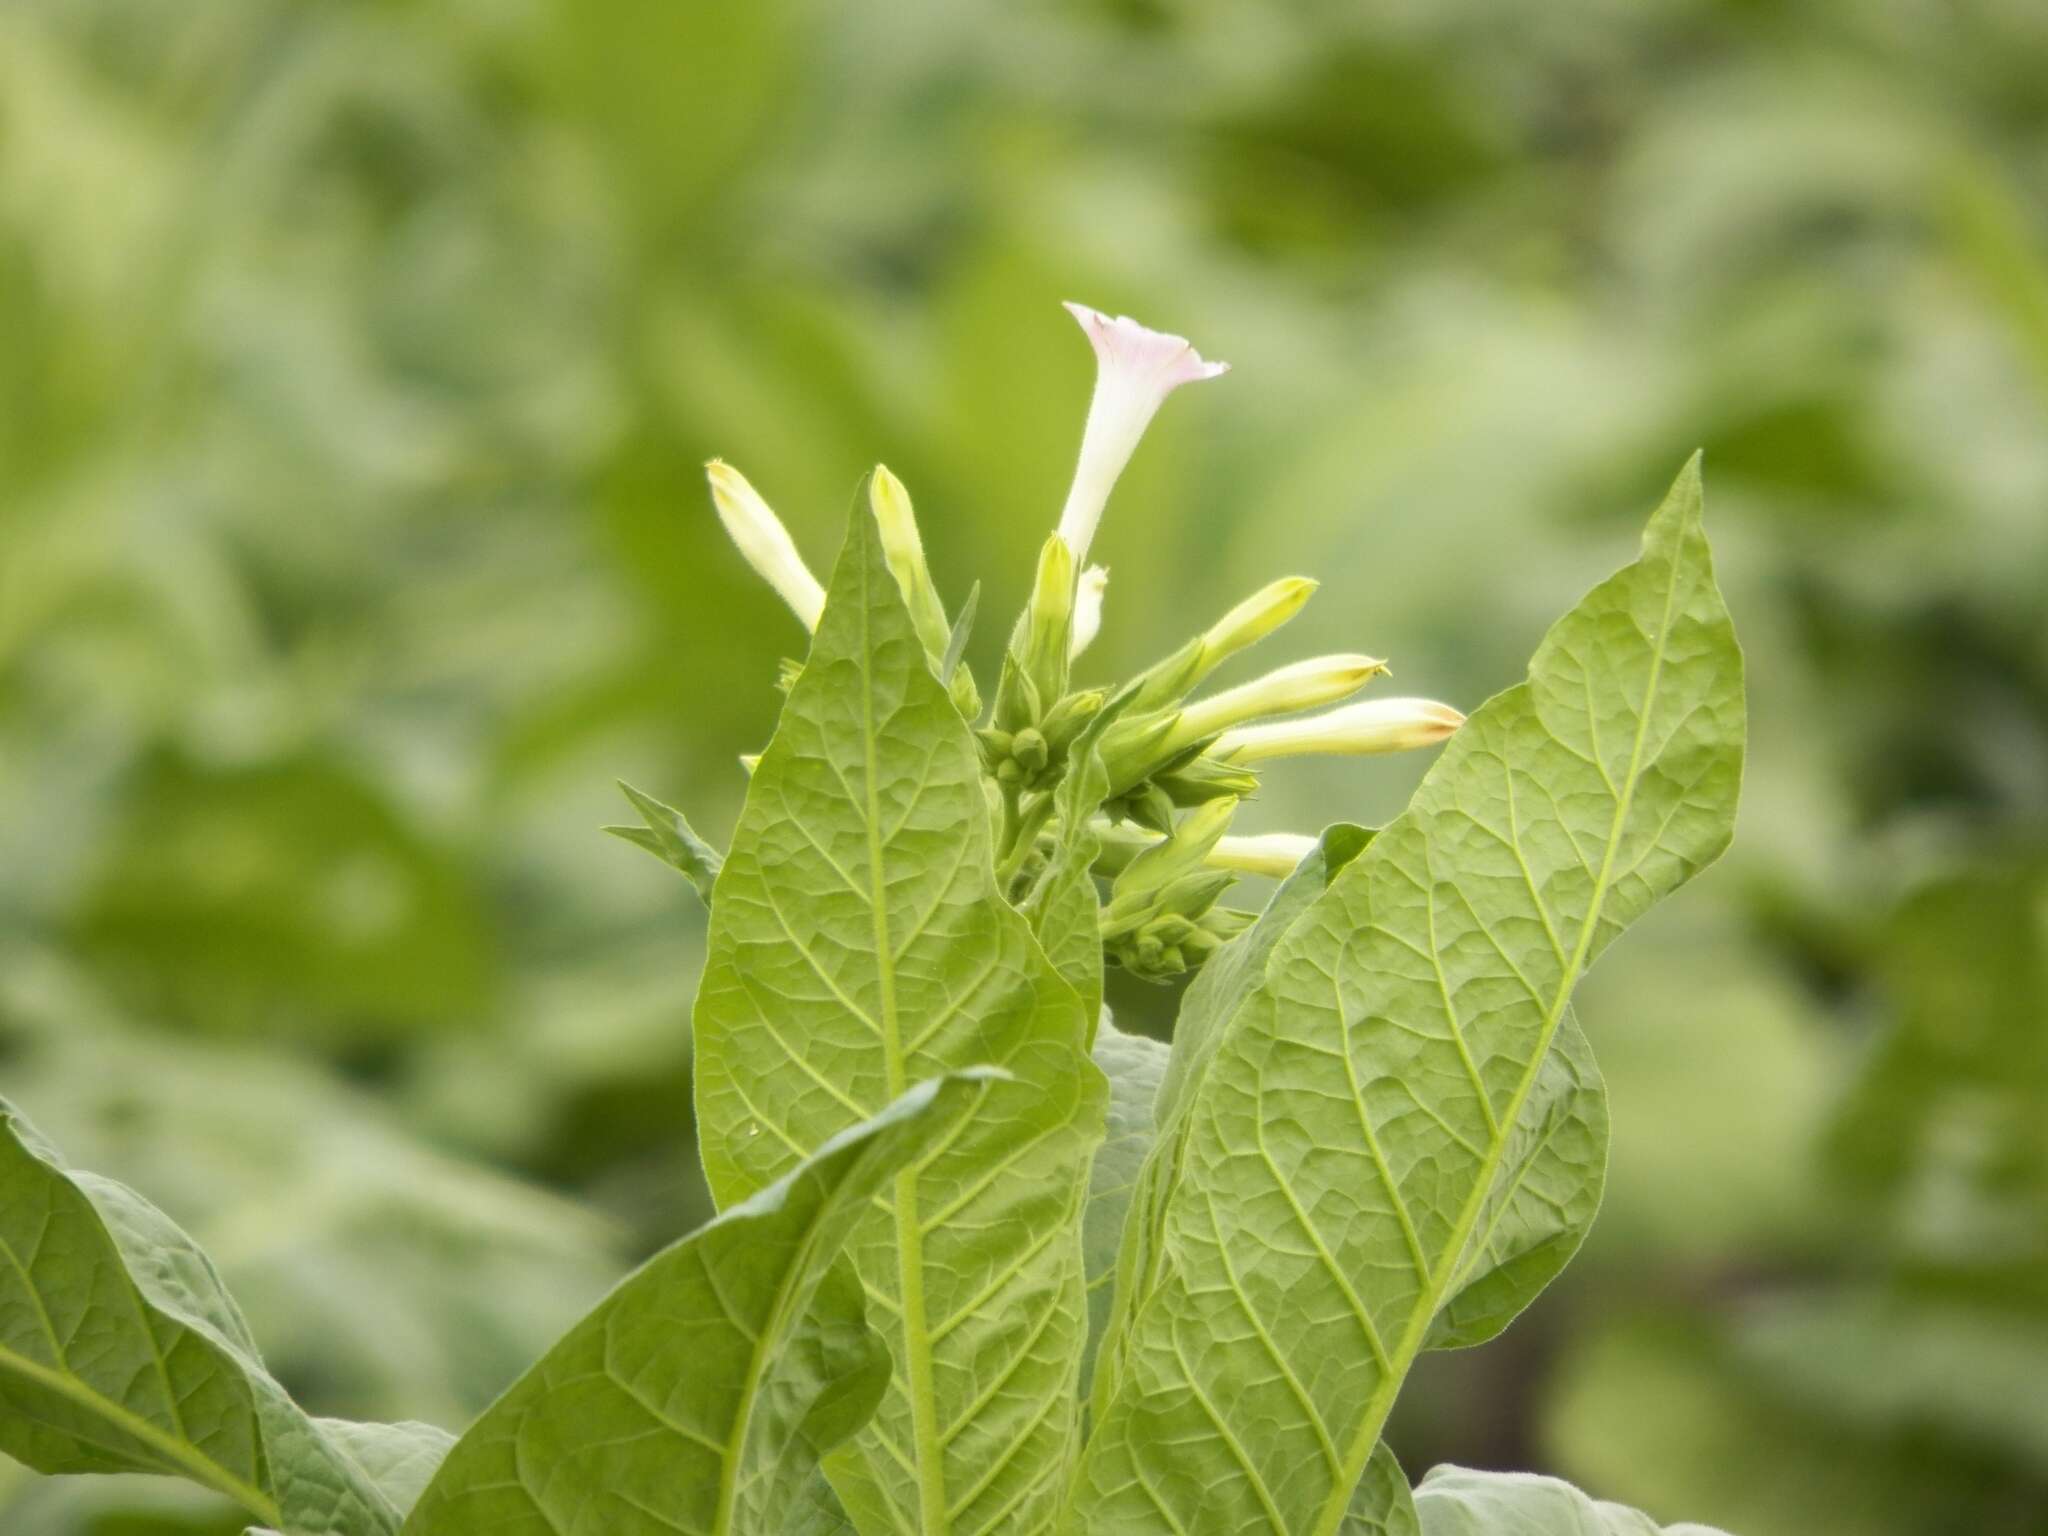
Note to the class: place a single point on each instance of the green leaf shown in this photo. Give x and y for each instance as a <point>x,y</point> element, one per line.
<point>818,1511</point>
<point>1134,1065</point>
<point>956,642</point>
<point>1543,1200</point>
<point>701,1394</point>
<point>859,943</point>
<point>1366,1122</point>
<point>1212,1000</point>
<point>400,1459</point>
<point>120,1351</point>
<point>1455,1501</point>
<point>669,838</point>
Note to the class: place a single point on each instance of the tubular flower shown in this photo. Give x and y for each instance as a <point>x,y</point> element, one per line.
<point>1373,726</point>
<point>1265,853</point>
<point>1088,608</point>
<point>1135,369</point>
<point>1304,685</point>
<point>1254,619</point>
<point>764,541</point>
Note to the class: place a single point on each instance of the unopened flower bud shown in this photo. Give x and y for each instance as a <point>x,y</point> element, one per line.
<point>1070,717</point>
<point>1051,630</point>
<point>1204,779</point>
<point>1371,726</point>
<point>1268,853</point>
<point>1029,749</point>
<point>903,548</point>
<point>1166,682</point>
<point>1254,619</point>
<point>764,542</point>
<point>1304,685</point>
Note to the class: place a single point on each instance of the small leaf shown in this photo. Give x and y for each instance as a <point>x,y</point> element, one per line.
<point>1455,1501</point>
<point>701,1394</point>
<point>956,643</point>
<point>669,838</point>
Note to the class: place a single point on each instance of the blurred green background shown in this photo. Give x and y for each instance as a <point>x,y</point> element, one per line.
<point>357,365</point>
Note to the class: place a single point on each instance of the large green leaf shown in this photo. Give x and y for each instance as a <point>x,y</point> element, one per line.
<point>1212,1000</point>
<point>1455,1501</point>
<point>120,1351</point>
<point>1381,1108</point>
<point>700,1396</point>
<point>858,943</point>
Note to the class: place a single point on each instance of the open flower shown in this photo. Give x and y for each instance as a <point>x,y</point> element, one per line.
<point>764,541</point>
<point>1088,608</point>
<point>1135,369</point>
<point>1375,725</point>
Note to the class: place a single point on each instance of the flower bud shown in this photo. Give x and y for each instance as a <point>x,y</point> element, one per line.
<point>1164,868</point>
<point>764,542</point>
<point>1165,682</point>
<point>1304,685</point>
<point>903,548</point>
<point>1088,609</point>
<point>1254,619</point>
<point>1030,750</point>
<point>1268,853</point>
<point>1068,718</point>
<point>1371,726</point>
<point>1204,779</point>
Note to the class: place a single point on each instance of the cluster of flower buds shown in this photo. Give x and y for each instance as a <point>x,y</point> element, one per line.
<point>1177,766</point>
<point>1162,916</point>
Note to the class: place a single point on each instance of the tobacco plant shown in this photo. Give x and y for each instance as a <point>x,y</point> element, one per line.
<point>985,1263</point>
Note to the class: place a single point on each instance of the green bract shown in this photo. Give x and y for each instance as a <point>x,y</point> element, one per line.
<point>987,1264</point>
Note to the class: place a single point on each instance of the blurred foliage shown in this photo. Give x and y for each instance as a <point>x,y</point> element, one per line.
<point>356,367</point>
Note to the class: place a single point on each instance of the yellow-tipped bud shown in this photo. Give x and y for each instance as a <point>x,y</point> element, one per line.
<point>1373,726</point>
<point>764,542</point>
<point>1254,619</point>
<point>904,550</point>
<point>1304,685</point>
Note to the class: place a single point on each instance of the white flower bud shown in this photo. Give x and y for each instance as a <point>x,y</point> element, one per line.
<point>1267,853</point>
<point>764,541</point>
<point>1135,370</point>
<point>1088,608</point>
<point>1373,726</point>
<point>1304,685</point>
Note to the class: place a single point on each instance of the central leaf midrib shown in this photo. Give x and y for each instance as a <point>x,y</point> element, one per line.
<point>917,1358</point>
<point>1339,1501</point>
